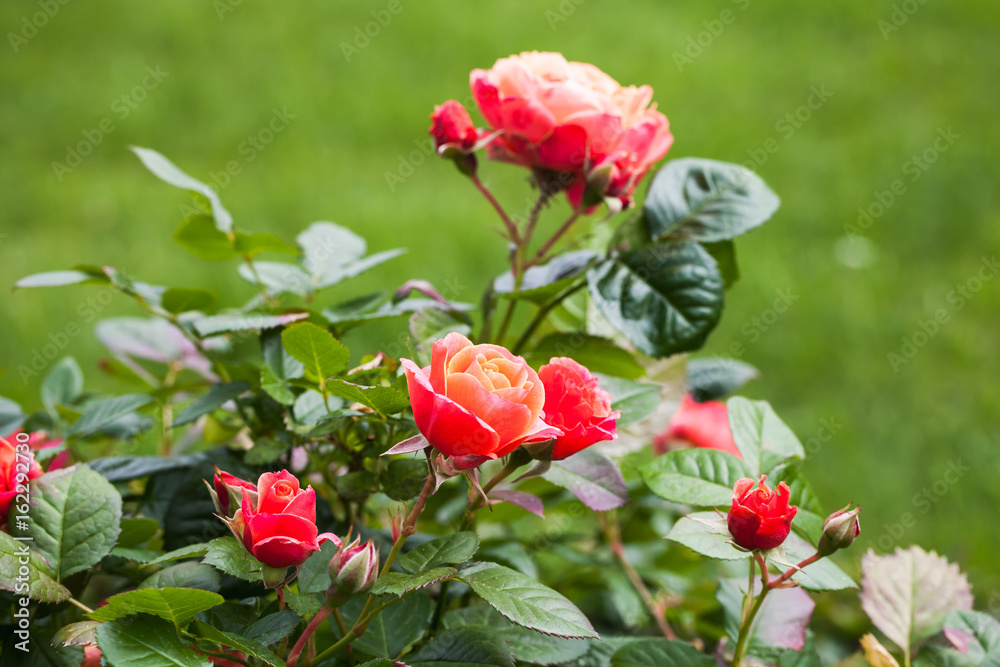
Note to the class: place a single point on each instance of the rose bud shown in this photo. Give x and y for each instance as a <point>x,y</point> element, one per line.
<point>280,528</point>
<point>10,474</point>
<point>455,136</point>
<point>476,399</point>
<point>353,571</point>
<point>560,116</point>
<point>840,529</point>
<point>577,406</point>
<point>228,490</point>
<point>703,425</point>
<point>761,518</point>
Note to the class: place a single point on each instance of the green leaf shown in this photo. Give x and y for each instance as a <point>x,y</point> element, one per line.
<point>236,322</point>
<point>823,575</point>
<point>177,605</point>
<point>254,244</point>
<point>809,518</point>
<point>41,585</point>
<point>383,400</point>
<point>80,633</point>
<point>527,646</point>
<point>60,278</point>
<point>322,355</point>
<point>599,355</point>
<point>75,519</point>
<point>217,395</point>
<point>328,248</point>
<point>760,435</point>
<point>355,485</point>
<point>541,283</point>
<point>724,254</point>
<point>277,388</point>
<point>404,478</point>
<point>592,477</point>
<point>183,299</point>
<point>635,400</point>
<point>102,413</point>
<point>526,602</point>
<point>199,236</point>
<point>702,477</point>
<point>451,549</point>
<point>145,641</point>
<point>273,627</point>
<point>708,534</point>
<point>470,646</point>
<point>705,200</point>
<point>399,584</point>
<point>398,626</point>
<point>11,415</point>
<point>228,555</point>
<point>304,605</point>
<point>136,531</point>
<point>63,384</point>
<point>714,378</point>
<point>662,653</point>
<point>314,577</point>
<point>277,277</point>
<point>975,634</point>
<point>238,642</point>
<point>168,172</point>
<point>665,299</point>
<point>185,575</point>
<point>908,594</point>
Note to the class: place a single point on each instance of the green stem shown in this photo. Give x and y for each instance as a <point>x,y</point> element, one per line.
<point>540,255</point>
<point>356,631</point>
<point>439,608</point>
<point>477,500</point>
<point>542,313</point>
<point>746,627</point>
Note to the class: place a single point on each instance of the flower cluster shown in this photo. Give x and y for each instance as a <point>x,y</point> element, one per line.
<point>553,115</point>
<point>480,402</point>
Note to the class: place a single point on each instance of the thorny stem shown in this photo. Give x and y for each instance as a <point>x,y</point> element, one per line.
<point>792,570</point>
<point>612,532</point>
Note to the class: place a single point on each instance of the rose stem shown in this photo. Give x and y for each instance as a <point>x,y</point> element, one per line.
<point>508,223</point>
<point>317,620</point>
<point>612,532</point>
<point>540,255</point>
<point>343,633</point>
<point>477,500</point>
<point>792,570</point>
<point>747,625</point>
<point>541,315</point>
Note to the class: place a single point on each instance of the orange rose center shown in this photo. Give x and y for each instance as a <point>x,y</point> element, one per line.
<point>283,490</point>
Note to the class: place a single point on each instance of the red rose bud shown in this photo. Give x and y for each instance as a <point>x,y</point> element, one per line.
<point>577,406</point>
<point>840,529</point>
<point>760,518</point>
<point>228,491</point>
<point>703,425</point>
<point>353,571</point>
<point>452,127</point>
<point>279,529</point>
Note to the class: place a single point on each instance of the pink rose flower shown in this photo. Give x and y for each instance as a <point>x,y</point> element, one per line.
<point>571,117</point>
<point>280,530</point>
<point>576,405</point>
<point>451,127</point>
<point>703,425</point>
<point>476,400</point>
<point>16,469</point>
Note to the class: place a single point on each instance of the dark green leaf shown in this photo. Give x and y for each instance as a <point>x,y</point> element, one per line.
<point>715,378</point>
<point>355,485</point>
<point>467,647</point>
<point>398,626</point>
<point>41,585</point>
<point>118,469</point>
<point>399,584</point>
<point>74,519</point>
<point>724,254</point>
<point>145,641</point>
<point>451,549</point>
<point>705,200</point>
<point>404,478</point>
<point>383,400</point>
<point>183,299</point>
<point>599,355</point>
<point>105,412</point>
<point>62,385</point>
<point>526,602</point>
<point>662,653</point>
<point>217,395</point>
<point>665,299</point>
<point>136,531</point>
<point>702,477</point>
<point>248,646</point>
<point>273,627</point>
<point>314,577</point>
<point>228,555</point>
<point>185,575</point>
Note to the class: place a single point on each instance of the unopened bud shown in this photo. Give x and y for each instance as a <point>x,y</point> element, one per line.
<point>840,529</point>
<point>353,571</point>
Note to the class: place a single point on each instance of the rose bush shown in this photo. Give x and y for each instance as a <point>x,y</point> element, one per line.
<point>508,468</point>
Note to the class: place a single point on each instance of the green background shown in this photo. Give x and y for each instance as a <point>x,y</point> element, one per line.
<point>356,117</point>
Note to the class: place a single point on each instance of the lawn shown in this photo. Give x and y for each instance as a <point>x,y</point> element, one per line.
<point>871,119</point>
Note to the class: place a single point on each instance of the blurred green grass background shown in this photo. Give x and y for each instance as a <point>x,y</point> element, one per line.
<point>356,117</point>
